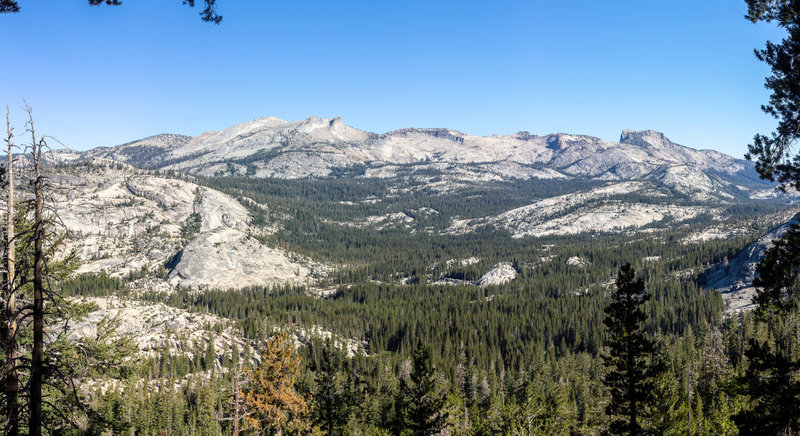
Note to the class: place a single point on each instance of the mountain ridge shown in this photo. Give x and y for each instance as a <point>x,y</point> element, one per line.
<point>271,147</point>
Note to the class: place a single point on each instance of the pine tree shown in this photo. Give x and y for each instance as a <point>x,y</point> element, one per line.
<point>668,410</point>
<point>422,397</point>
<point>37,359</point>
<point>628,353</point>
<point>775,156</point>
<point>329,402</point>
<point>772,378</point>
<point>272,400</point>
<point>10,329</point>
<point>210,356</point>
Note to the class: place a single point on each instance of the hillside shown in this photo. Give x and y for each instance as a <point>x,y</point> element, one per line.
<point>128,223</point>
<point>733,277</point>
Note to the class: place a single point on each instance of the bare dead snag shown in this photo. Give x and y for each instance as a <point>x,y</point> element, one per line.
<point>37,361</point>
<point>11,374</point>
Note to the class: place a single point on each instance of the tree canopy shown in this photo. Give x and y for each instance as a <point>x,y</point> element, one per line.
<point>774,153</point>
<point>208,14</point>
<point>770,381</point>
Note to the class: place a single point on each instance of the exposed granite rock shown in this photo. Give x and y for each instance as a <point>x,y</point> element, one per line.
<point>734,278</point>
<point>227,258</point>
<point>501,273</point>
<point>125,220</point>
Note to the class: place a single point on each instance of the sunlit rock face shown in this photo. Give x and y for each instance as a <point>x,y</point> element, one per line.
<point>734,277</point>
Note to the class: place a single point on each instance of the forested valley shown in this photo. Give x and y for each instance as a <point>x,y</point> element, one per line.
<point>410,356</point>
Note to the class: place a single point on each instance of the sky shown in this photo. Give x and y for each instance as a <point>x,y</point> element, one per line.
<point>102,76</point>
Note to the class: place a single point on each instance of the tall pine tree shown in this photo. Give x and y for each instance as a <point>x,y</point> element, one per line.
<point>330,402</point>
<point>628,354</point>
<point>422,396</point>
<point>273,402</point>
<point>771,379</point>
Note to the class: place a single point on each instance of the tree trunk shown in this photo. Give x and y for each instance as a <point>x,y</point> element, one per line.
<point>37,364</point>
<point>236,401</point>
<point>12,378</point>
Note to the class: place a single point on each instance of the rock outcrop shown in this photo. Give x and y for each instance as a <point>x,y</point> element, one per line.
<point>122,221</point>
<point>594,210</point>
<point>227,258</point>
<point>734,277</point>
<point>500,274</point>
<point>156,327</point>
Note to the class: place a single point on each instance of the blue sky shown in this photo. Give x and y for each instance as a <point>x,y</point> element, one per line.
<point>107,75</point>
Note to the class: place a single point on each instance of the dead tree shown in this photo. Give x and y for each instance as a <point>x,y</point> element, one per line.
<point>236,400</point>
<point>37,355</point>
<point>11,373</point>
<point>32,300</point>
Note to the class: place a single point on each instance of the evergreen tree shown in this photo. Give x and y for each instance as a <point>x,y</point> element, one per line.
<point>273,402</point>
<point>210,357</point>
<point>628,353</point>
<point>422,397</point>
<point>330,402</point>
<point>772,378</point>
<point>774,154</point>
<point>777,286</point>
<point>772,385</point>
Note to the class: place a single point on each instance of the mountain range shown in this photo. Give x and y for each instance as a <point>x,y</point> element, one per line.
<point>159,212</point>
<point>317,147</point>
